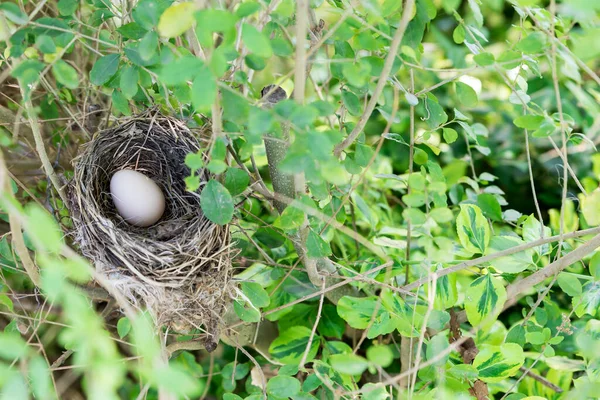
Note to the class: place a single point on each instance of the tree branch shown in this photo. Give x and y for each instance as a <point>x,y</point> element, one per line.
<point>513,290</point>
<point>385,73</point>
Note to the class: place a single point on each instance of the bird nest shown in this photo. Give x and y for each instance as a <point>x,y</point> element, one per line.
<point>178,268</point>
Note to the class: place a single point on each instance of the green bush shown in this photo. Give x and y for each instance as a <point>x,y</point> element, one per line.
<point>418,219</point>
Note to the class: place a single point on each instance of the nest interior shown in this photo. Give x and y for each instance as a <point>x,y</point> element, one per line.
<point>179,268</point>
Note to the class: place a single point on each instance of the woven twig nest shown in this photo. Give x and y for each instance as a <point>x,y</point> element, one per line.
<point>178,268</point>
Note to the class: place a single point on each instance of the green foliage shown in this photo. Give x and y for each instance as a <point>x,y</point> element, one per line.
<point>216,203</point>
<point>434,179</point>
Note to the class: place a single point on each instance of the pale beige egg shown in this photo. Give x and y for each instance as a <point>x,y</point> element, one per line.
<point>138,199</point>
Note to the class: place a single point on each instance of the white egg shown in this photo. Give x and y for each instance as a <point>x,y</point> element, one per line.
<point>138,199</point>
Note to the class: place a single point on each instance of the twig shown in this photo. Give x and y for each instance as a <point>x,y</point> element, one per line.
<point>507,252</point>
<point>314,328</point>
<point>541,379</point>
<point>385,72</point>
<point>513,290</point>
<point>41,150</point>
<point>185,345</point>
<point>22,251</point>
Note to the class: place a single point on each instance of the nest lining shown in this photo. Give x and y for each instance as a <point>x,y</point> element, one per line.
<point>179,268</point>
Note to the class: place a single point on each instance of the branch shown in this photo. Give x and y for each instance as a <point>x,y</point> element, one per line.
<point>285,192</point>
<point>41,150</point>
<point>503,253</point>
<point>468,351</point>
<point>385,72</point>
<point>541,379</point>
<point>513,290</point>
<point>276,149</point>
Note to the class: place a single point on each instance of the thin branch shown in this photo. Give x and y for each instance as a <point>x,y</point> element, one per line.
<point>41,150</point>
<point>314,328</point>
<point>515,289</point>
<point>407,14</point>
<point>503,253</point>
<point>540,379</point>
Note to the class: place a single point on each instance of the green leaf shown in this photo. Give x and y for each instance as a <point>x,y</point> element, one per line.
<point>535,338</point>
<point>216,203</point>
<point>535,42</point>
<point>532,231</point>
<point>129,81</point>
<point>194,161</point>
<point>43,229</point>
<point>236,181</point>
<point>459,34</point>
<point>484,59</point>
<point>247,8</point>
<point>357,311</point>
<point>210,20</point>
<point>281,47</point>
<point>514,263</point>
<point>104,69</point>
<point>12,346</point>
<point>530,122</point>
<point>123,327</point>
<point>381,355</point>
<point>256,41</point>
<point>351,102</point>
<point>331,324</point>
<point>595,266</point>
<point>466,95</point>
<point>490,206</point>
<point>363,154</point>
<point>420,156</point>
<point>65,74</point>
<point>176,19</point>
<point>176,381</point>
<point>289,347</point>
<point>6,301</point>
<point>464,372</point>
<point>438,345</point>
<point>181,70</point>
<point>67,7</point>
<point>497,363</point>
<point>45,44</point>
<point>433,113</point>
<point>350,364</point>
<point>204,90</point>
<point>132,31</point>
<point>473,229</point>
<point>247,314</point>
<point>569,284</point>
<point>317,247</point>
<point>257,295</point>
<point>484,301</point>
<point>232,372</point>
<point>357,74</point>
<point>235,107</point>
<point>291,218</point>
<point>590,205</point>
<point>39,375</point>
<point>450,135</point>
<point>446,294</point>
<point>120,103</point>
<point>283,386</point>
<point>148,46</point>
<point>147,12</point>
<point>14,13</point>
<point>516,334</point>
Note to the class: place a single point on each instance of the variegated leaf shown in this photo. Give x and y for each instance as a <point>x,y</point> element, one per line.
<point>496,363</point>
<point>472,228</point>
<point>484,301</point>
